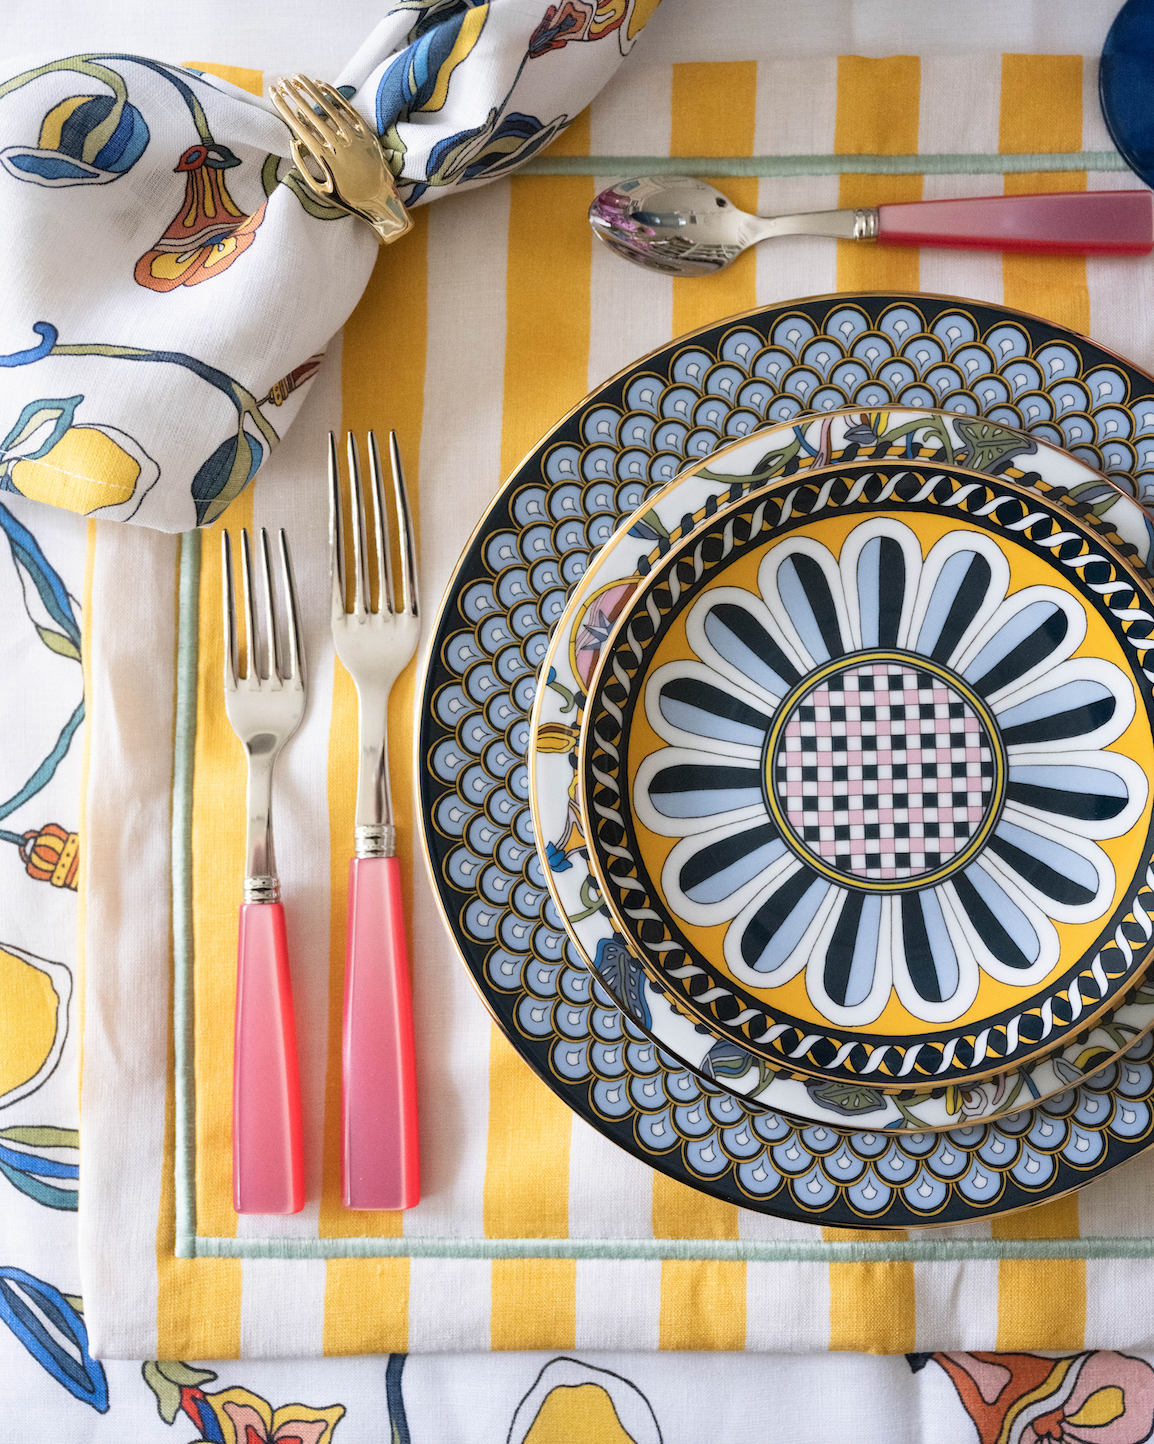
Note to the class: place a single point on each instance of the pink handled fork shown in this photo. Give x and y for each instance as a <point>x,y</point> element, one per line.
<point>265,705</point>
<point>380,1156</point>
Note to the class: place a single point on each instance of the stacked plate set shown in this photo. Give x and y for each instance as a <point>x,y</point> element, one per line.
<point>786,753</point>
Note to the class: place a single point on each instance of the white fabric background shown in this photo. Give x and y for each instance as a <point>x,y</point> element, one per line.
<point>471,1397</point>
<point>288,34</point>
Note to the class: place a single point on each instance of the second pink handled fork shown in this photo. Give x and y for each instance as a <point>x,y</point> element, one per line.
<point>380,1155</point>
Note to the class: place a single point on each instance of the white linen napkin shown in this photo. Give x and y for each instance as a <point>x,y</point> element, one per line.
<point>172,283</point>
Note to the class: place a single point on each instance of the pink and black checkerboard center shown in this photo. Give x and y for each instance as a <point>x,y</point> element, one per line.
<point>884,771</point>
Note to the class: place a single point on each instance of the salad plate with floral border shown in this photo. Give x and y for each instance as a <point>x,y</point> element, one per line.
<point>591,471</point>
<point>864,772</point>
<point>596,601</point>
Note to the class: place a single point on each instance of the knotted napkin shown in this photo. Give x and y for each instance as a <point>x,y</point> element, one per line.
<point>172,282</point>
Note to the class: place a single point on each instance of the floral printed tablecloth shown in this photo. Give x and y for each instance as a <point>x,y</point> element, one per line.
<point>583,1350</point>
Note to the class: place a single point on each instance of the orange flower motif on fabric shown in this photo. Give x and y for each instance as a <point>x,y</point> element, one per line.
<point>209,231</point>
<point>576,20</point>
<point>254,1423</point>
<point>1093,1398</point>
<point>235,1415</point>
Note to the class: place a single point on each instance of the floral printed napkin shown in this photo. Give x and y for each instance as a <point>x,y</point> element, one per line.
<point>176,282</point>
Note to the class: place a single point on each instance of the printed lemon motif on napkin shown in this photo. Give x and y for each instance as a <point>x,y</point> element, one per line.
<point>33,1021</point>
<point>87,469</point>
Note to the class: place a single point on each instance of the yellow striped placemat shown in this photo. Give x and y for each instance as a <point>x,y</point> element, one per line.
<point>492,319</point>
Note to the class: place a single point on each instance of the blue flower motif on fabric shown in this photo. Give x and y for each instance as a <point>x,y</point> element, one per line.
<point>46,424</point>
<point>417,83</point>
<point>418,79</point>
<point>69,151</point>
<point>42,581</point>
<point>491,150</point>
<point>27,1162</point>
<point>577,20</point>
<point>92,139</point>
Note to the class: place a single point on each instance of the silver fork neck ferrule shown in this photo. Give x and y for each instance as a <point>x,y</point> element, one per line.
<point>260,866</point>
<point>375,840</point>
<point>373,832</point>
<point>261,889</point>
<point>865,224</point>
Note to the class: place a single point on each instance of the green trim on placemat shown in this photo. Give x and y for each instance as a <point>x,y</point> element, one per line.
<point>781,166</point>
<point>946,1250</point>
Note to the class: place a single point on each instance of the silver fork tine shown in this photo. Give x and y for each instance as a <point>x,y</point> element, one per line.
<point>360,560</point>
<point>229,609</point>
<point>385,594</point>
<point>336,531</point>
<point>408,557</point>
<point>272,641</point>
<point>290,601</point>
<point>252,655</point>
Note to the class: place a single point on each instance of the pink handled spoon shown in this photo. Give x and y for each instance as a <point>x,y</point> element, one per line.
<point>685,227</point>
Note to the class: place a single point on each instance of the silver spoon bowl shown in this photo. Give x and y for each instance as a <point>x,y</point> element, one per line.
<point>684,227</point>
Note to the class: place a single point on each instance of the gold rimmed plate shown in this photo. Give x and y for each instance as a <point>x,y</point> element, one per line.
<point>681,507</point>
<point>864,773</point>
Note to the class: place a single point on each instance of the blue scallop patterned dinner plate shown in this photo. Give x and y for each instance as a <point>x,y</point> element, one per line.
<point>591,472</point>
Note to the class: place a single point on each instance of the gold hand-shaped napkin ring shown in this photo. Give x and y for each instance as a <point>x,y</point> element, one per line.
<point>338,156</point>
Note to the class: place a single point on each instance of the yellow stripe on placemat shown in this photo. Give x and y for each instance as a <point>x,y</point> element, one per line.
<point>534,1304</point>
<point>197,1300</point>
<point>547,304</point>
<point>877,114</point>
<point>366,1306</point>
<point>382,389</point>
<point>683,1212</point>
<point>1041,1302</point>
<point>527,1154</point>
<point>1041,108</point>
<point>702,1305</point>
<point>871,1305</point>
<point>713,111</point>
